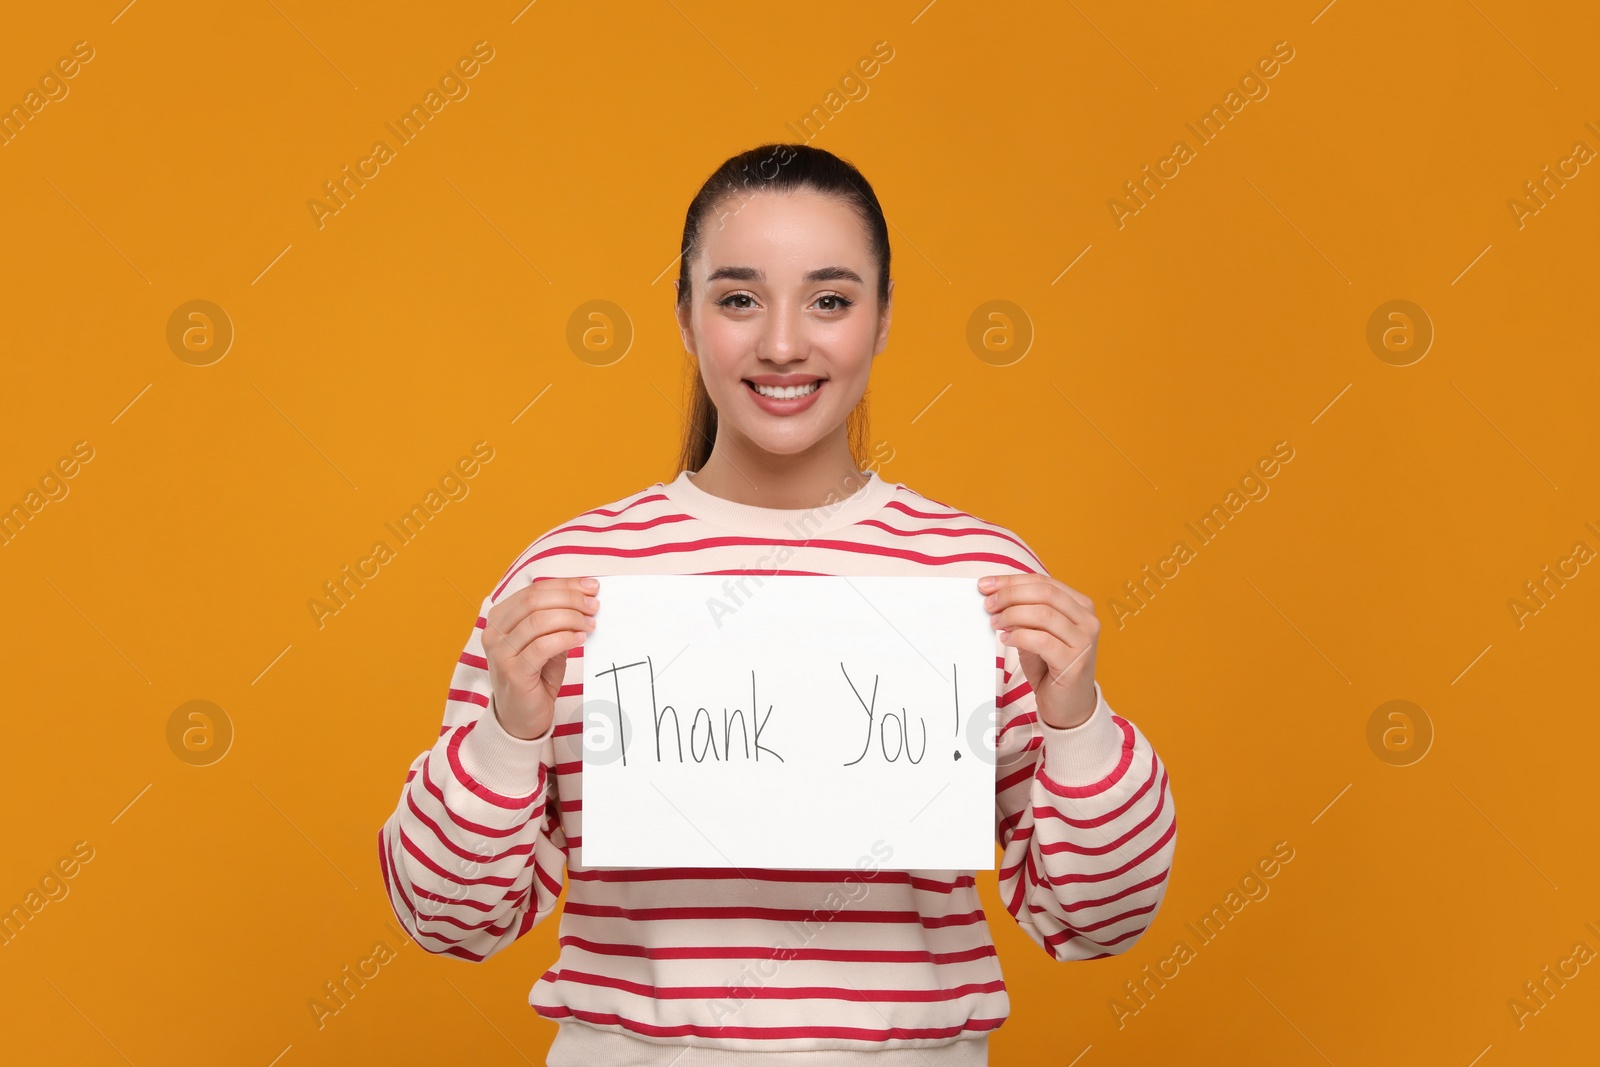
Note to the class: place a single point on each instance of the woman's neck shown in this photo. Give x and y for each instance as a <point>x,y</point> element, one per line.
<point>767,480</point>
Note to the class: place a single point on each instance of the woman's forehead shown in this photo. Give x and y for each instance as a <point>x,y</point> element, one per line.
<point>784,235</point>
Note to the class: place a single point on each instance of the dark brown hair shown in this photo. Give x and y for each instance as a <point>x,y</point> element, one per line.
<point>776,168</point>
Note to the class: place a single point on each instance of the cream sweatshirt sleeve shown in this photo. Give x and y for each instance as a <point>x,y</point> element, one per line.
<point>474,854</point>
<point>1085,823</point>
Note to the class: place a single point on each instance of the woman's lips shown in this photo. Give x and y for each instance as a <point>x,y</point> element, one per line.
<point>791,406</point>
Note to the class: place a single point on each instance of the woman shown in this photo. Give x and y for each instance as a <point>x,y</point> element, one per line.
<point>783,300</point>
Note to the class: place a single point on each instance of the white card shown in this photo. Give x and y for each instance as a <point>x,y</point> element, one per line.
<point>801,722</point>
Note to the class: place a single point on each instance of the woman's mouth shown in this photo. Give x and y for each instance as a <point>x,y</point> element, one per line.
<point>785,399</point>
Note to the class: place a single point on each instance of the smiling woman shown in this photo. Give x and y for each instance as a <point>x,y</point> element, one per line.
<point>783,304</point>
<point>781,356</point>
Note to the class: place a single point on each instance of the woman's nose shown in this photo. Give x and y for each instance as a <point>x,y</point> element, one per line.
<point>781,341</point>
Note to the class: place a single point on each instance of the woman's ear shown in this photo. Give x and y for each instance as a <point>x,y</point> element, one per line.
<point>685,317</point>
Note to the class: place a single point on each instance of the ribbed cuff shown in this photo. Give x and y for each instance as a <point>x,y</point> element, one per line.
<point>1083,754</point>
<point>506,764</point>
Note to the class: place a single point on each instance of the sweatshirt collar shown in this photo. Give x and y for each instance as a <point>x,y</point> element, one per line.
<point>782,523</point>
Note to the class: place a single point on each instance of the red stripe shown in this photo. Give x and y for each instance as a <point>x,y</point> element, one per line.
<point>768,1033</point>
<point>419,917</point>
<point>486,925</point>
<point>529,918</point>
<point>1053,847</point>
<point>552,884</point>
<point>1027,718</point>
<point>1136,887</point>
<point>1116,812</point>
<point>390,881</point>
<point>642,524</point>
<point>763,952</point>
<point>444,839</point>
<point>1013,695</point>
<point>1022,774</point>
<point>723,992</point>
<point>612,911</point>
<point>788,877</point>
<point>466,824</point>
<point>968,531</point>
<point>428,862</point>
<point>1136,861</point>
<point>646,497</point>
<point>636,527</point>
<point>1062,936</point>
<point>1105,783</point>
<point>1026,760</point>
<point>956,513</point>
<point>489,908</point>
<point>1021,886</point>
<point>477,788</point>
<point>469,696</point>
<point>1026,833</point>
<point>949,512</point>
<point>393,879</point>
<point>1113,920</point>
<point>848,547</point>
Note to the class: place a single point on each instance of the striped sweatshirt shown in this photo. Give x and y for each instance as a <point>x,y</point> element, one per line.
<point>875,966</point>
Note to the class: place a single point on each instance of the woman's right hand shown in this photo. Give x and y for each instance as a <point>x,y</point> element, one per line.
<point>526,638</point>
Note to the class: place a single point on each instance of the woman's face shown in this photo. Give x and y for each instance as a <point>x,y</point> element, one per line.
<point>784,291</point>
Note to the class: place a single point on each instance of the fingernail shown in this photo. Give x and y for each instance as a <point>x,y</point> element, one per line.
<point>591,584</point>
<point>986,583</point>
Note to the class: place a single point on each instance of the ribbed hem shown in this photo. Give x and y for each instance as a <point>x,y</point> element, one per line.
<point>581,1045</point>
<point>779,523</point>
<point>1086,753</point>
<point>506,764</point>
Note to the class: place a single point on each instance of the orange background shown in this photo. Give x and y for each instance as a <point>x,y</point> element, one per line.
<point>1230,313</point>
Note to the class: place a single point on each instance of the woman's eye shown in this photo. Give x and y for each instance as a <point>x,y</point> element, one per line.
<point>840,303</point>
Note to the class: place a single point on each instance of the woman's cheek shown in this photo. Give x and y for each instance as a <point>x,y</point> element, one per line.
<point>722,361</point>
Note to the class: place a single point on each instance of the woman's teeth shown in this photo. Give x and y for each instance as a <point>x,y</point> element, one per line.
<point>786,392</point>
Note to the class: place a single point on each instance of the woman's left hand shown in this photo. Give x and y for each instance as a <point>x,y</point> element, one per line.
<point>1054,630</point>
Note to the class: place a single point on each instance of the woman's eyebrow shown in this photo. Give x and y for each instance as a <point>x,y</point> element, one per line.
<point>821,274</point>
